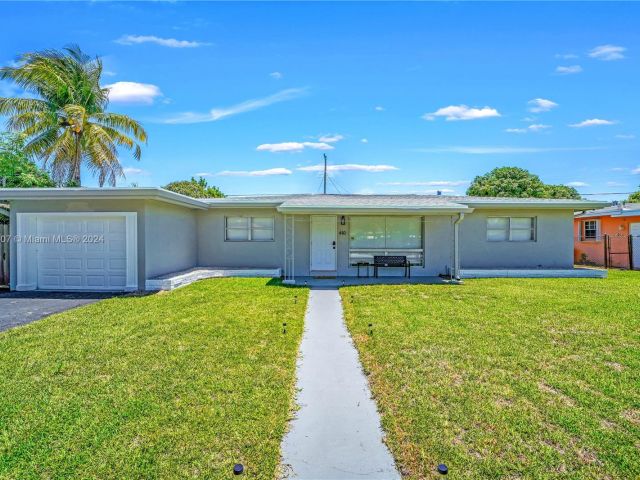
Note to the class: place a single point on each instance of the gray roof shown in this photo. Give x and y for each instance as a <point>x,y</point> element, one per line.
<point>620,210</point>
<point>299,203</point>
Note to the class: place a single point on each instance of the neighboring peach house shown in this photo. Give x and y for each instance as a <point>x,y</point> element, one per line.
<point>608,236</point>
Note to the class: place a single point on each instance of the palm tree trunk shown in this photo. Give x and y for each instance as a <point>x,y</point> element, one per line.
<point>75,173</point>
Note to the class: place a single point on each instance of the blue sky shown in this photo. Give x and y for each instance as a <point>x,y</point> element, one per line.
<point>403,98</point>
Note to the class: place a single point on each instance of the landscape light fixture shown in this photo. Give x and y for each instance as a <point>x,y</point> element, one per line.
<point>343,220</point>
<point>442,469</point>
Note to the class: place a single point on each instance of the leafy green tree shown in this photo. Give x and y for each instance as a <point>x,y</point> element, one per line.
<point>16,170</point>
<point>195,188</point>
<point>634,197</point>
<point>561,191</point>
<point>66,124</point>
<point>517,182</point>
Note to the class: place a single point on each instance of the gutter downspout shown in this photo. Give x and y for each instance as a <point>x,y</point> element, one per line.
<point>456,242</point>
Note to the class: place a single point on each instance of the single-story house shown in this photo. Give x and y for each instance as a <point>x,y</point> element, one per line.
<point>608,236</point>
<point>126,238</point>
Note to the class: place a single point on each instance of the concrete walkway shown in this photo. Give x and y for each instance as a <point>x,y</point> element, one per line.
<point>336,433</point>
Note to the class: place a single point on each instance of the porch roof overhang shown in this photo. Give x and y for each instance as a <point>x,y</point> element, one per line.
<point>355,210</point>
<point>371,205</point>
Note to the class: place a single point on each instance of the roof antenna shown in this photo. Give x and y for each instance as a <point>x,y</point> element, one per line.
<point>324,181</point>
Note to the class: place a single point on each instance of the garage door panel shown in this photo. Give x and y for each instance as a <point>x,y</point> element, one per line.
<point>115,226</point>
<point>118,264</point>
<point>73,281</point>
<point>96,227</point>
<point>118,280</point>
<point>78,264</point>
<point>96,280</point>
<point>95,264</point>
<point>71,227</point>
<point>73,263</point>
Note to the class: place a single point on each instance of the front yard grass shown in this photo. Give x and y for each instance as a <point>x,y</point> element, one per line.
<point>173,385</point>
<point>509,378</point>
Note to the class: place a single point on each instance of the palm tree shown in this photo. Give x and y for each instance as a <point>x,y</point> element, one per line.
<point>66,125</point>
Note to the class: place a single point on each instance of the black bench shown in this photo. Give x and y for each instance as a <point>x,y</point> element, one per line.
<point>391,261</point>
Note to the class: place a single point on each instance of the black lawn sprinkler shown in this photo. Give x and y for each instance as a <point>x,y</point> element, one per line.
<point>442,469</point>
<point>284,327</point>
<point>238,469</point>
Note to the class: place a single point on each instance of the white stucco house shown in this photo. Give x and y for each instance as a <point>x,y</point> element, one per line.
<point>130,238</point>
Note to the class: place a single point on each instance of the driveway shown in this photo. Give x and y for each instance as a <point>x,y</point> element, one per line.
<point>19,308</point>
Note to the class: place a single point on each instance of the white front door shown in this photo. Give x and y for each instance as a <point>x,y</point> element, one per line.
<point>634,231</point>
<point>323,242</point>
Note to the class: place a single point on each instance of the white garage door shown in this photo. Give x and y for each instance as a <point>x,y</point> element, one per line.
<point>83,253</point>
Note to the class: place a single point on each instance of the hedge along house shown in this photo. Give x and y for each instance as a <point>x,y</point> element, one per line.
<point>150,238</point>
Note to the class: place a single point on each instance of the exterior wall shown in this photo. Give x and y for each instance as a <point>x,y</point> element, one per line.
<point>171,242</point>
<point>618,230</point>
<point>553,247</point>
<point>214,251</point>
<point>79,206</point>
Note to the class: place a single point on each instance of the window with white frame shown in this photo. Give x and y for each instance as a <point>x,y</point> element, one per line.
<point>511,229</point>
<point>591,230</point>
<point>249,229</point>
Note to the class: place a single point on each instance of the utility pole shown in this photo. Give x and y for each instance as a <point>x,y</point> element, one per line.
<point>324,181</point>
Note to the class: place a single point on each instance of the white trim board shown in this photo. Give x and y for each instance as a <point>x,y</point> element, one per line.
<point>26,260</point>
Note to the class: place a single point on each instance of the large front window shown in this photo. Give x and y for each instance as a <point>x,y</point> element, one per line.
<point>511,229</point>
<point>369,236</point>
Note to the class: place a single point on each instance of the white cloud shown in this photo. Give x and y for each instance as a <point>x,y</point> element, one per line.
<point>566,55</point>
<point>592,123</point>
<point>482,150</point>
<point>568,69</point>
<point>379,108</point>
<point>203,174</point>
<point>109,73</point>
<point>133,92</point>
<point>616,184</point>
<point>577,184</point>
<point>276,75</point>
<point>538,105</point>
<point>255,173</point>
<point>619,169</point>
<point>364,140</point>
<point>435,183</point>
<point>164,42</point>
<point>608,52</point>
<point>293,146</point>
<point>626,136</point>
<point>349,167</point>
<point>243,107</point>
<point>462,112</point>
<point>636,171</point>
<point>331,138</point>
<point>134,171</point>
<point>537,127</point>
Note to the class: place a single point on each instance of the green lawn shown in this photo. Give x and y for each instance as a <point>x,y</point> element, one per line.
<point>172,385</point>
<point>510,378</point>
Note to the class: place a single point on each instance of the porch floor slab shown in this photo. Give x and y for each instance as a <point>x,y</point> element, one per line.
<point>534,273</point>
<point>175,280</point>
<point>336,433</point>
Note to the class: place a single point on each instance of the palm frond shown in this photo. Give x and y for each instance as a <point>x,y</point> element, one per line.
<point>121,122</point>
